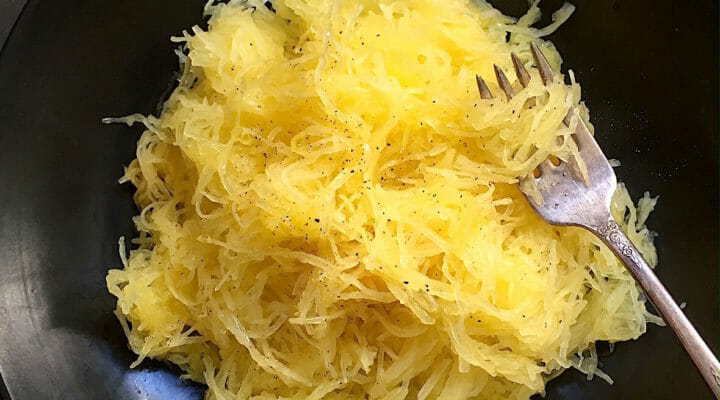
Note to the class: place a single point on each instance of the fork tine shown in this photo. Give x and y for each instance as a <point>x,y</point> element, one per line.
<point>504,82</point>
<point>483,88</point>
<point>583,139</point>
<point>542,64</point>
<point>522,73</point>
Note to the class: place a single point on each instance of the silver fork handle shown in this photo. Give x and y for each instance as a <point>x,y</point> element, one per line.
<point>703,357</point>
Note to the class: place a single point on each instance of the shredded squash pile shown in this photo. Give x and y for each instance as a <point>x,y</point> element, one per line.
<point>330,211</point>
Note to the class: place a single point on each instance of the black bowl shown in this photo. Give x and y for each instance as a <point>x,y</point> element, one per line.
<point>649,75</point>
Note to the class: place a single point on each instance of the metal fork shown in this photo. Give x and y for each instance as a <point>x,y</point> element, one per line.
<point>569,199</point>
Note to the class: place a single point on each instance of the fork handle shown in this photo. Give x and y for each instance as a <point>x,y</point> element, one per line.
<point>704,359</point>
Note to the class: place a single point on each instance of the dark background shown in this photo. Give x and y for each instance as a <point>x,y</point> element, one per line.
<point>649,72</point>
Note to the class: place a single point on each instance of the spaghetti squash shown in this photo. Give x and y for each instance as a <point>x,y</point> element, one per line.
<point>330,211</point>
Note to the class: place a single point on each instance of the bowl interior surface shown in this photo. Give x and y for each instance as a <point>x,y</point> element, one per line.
<point>649,76</point>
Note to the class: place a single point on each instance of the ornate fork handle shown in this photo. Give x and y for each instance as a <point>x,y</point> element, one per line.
<point>704,359</point>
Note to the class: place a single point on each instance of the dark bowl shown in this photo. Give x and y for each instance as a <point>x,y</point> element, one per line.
<point>649,73</point>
